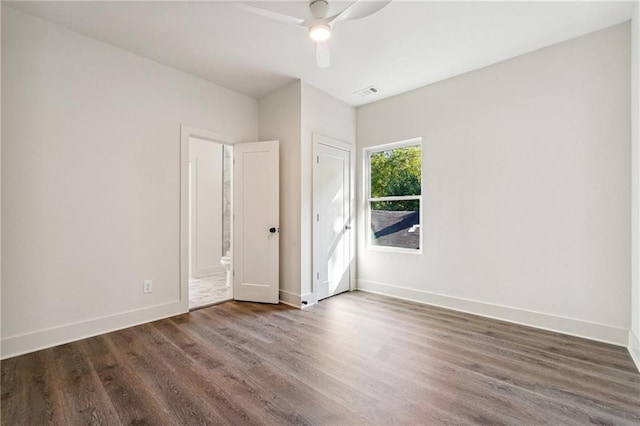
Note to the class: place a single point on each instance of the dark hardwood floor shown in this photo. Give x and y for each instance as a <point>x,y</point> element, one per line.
<point>356,358</point>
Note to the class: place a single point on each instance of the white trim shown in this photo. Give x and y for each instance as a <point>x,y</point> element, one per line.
<point>326,140</point>
<point>289,298</point>
<point>196,132</point>
<point>42,339</point>
<point>185,133</point>
<point>217,269</point>
<point>312,298</point>
<point>634,349</point>
<point>394,145</point>
<point>309,297</point>
<point>391,249</point>
<point>574,327</point>
<point>398,198</point>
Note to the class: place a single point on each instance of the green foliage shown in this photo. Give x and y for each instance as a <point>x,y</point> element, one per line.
<point>403,206</point>
<point>394,173</point>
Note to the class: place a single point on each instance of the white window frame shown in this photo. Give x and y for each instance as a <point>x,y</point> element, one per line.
<point>368,199</point>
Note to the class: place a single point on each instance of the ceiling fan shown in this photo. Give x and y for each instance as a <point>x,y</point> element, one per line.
<point>319,23</point>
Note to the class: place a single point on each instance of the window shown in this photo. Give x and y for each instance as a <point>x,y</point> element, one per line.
<point>394,195</point>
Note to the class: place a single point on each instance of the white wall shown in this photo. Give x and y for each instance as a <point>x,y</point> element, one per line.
<point>91,181</point>
<point>526,189</point>
<point>205,158</point>
<point>280,120</point>
<point>326,115</point>
<point>634,333</point>
<point>291,115</point>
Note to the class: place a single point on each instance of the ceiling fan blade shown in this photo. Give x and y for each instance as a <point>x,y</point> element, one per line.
<point>323,57</point>
<point>271,14</point>
<point>359,9</point>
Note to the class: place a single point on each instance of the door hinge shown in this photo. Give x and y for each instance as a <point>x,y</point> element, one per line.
<point>317,159</point>
<point>317,275</point>
<point>318,217</point>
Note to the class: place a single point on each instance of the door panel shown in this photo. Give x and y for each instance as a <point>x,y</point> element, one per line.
<point>332,200</point>
<point>256,206</point>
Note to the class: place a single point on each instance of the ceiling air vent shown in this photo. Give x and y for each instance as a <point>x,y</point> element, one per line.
<point>366,91</point>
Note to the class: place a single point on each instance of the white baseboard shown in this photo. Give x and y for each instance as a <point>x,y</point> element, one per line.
<point>290,299</point>
<point>634,349</point>
<point>570,326</point>
<point>310,298</point>
<point>42,339</point>
<point>204,272</point>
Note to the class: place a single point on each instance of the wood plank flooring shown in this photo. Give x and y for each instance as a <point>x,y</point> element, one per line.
<point>352,359</point>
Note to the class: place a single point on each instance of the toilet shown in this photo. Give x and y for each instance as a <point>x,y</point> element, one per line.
<point>225,261</point>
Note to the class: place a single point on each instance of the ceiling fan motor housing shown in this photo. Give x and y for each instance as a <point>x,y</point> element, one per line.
<point>319,8</point>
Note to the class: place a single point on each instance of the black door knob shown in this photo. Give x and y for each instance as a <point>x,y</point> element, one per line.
<point>272,230</point>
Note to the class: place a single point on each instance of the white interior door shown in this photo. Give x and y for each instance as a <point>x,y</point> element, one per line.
<point>332,207</point>
<point>256,226</point>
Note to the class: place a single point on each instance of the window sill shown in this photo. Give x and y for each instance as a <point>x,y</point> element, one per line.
<point>386,249</point>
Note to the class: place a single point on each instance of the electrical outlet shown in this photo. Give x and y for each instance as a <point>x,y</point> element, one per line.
<point>147,287</point>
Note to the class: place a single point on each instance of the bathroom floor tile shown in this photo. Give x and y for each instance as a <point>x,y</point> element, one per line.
<point>208,289</point>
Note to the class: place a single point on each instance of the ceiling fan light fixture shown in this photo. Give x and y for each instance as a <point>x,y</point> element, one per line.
<point>319,24</point>
<point>320,32</point>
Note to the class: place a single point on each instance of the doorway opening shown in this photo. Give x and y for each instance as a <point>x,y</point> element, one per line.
<point>210,222</point>
<point>244,215</point>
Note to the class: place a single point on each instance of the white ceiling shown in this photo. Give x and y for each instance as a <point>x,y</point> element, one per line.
<point>406,45</point>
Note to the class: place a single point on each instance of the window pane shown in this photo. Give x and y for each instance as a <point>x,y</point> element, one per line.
<point>395,223</point>
<point>396,172</point>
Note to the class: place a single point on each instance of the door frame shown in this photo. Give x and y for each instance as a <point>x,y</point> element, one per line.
<point>187,132</point>
<point>319,139</point>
